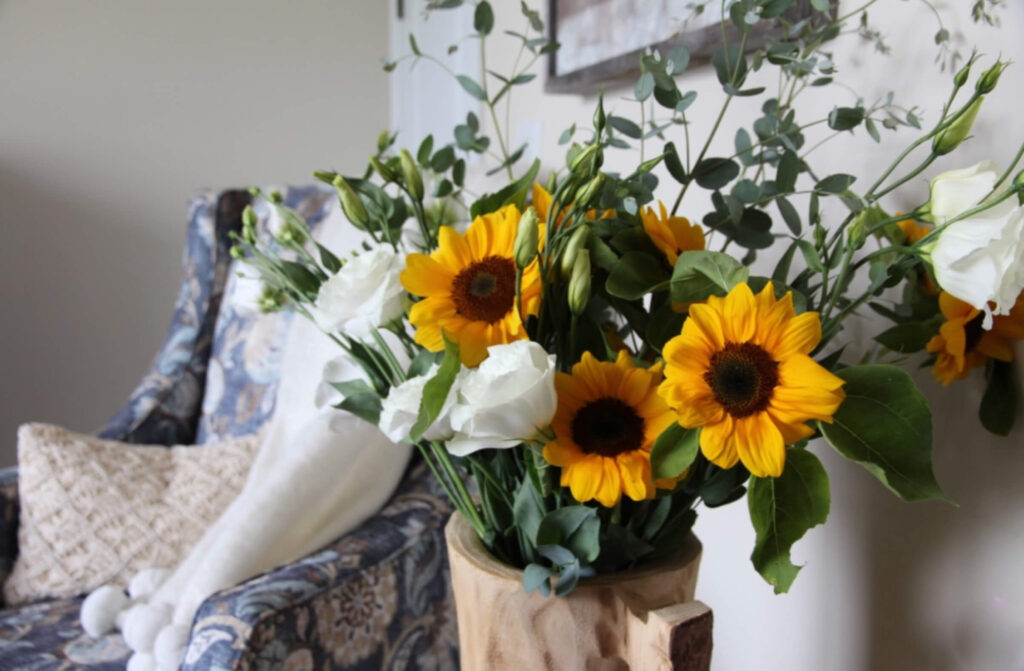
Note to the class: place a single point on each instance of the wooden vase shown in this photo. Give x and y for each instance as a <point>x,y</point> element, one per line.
<point>641,620</point>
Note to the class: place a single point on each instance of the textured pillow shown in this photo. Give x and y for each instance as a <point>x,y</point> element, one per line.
<point>97,511</point>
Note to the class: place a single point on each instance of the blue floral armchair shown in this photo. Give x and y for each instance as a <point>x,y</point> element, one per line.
<point>378,598</point>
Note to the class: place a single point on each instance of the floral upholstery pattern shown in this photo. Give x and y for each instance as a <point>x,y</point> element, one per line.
<point>378,598</point>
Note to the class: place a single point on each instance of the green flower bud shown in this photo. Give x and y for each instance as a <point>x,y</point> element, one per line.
<point>386,173</point>
<point>819,236</point>
<point>411,174</point>
<point>271,299</point>
<point>384,141</point>
<point>527,238</point>
<point>1018,182</point>
<point>577,243</point>
<point>237,252</point>
<point>599,117</point>
<point>276,197</point>
<point>249,225</point>
<point>587,160</point>
<point>590,191</point>
<point>951,138</point>
<point>961,77</point>
<point>990,78</point>
<point>579,283</point>
<point>351,203</point>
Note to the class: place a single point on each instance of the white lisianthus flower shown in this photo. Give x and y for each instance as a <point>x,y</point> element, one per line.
<point>401,408</point>
<point>364,295</point>
<point>506,400</point>
<point>979,260</point>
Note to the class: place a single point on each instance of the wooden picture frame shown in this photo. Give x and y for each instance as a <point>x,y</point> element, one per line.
<point>701,43</point>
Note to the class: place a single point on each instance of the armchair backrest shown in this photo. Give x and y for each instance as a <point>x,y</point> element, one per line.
<point>216,374</point>
<point>244,365</point>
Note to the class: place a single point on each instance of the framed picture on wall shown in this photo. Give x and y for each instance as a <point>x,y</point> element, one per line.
<point>602,40</point>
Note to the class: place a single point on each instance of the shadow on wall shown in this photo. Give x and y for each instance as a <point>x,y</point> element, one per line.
<point>946,593</point>
<point>53,292</point>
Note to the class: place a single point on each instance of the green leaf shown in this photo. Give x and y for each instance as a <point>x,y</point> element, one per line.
<point>577,528</point>
<point>626,127</point>
<point>727,61</point>
<point>528,510</point>
<point>644,86</point>
<point>435,392</point>
<point>471,87</point>
<point>483,18</point>
<point>789,170</point>
<point>999,404</point>
<point>537,577</point>
<point>513,193</point>
<point>699,274</point>
<point>845,118</point>
<point>366,406</point>
<point>301,276</point>
<point>635,275</point>
<point>412,45</point>
<point>714,173</point>
<point>331,262</point>
<point>425,148</point>
<point>789,215</point>
<point>673,164</point>
<point>821,5</point>
<point>906,338</point>
<point>674,451</point>
<point>782,510</point>
<point>835,183</point>
<point>885,425</point>
<point>811,256</point>
<point>443,159</point>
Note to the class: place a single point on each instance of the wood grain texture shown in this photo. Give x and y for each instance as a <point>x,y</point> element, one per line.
<point>644,620</point>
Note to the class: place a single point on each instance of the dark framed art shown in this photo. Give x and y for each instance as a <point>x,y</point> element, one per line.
<point>602,40</point>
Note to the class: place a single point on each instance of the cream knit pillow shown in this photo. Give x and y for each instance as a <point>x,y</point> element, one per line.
<point>97,511</point>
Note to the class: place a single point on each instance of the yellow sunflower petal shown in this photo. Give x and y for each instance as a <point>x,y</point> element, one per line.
<point>609,491</point>
<point>717,443</point>
<point>801,371</point>
<point>562,453</point>
<point>739,314</point>
<point>584,477</point>
<point>452,251</point>
<point>800,336</point>
<point>635,472</point>
<point>423,276</point>
<point>760,445</point>
<point>705,324</point>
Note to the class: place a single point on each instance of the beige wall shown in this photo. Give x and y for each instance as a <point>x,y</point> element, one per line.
<point>111,113</point>
<point>886,586</point>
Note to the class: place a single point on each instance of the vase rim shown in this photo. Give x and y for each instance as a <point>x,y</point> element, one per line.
<point>463,539</point>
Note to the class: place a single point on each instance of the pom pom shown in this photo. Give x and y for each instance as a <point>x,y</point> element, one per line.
<point>101,608</point>
<point>143,623</point>
<point>146,582</point>
<point>169,647</point>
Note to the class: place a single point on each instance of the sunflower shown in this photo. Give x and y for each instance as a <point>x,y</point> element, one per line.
<point>468,287</point>
<point>671,235</point>
<point>962,344</point>
<point>740,371</point>
<point>608,417</point>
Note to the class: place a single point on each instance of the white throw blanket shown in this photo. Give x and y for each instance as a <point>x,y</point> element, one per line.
<point>318,474</point>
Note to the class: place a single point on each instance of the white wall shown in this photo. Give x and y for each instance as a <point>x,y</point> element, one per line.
<point>886,586</point>
<point>111,113</point>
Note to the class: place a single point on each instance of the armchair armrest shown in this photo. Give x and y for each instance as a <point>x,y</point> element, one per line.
<point>8,520</point>
<point>382,593</point>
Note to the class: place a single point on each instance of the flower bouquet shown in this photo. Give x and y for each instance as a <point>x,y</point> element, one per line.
<point>582,364</point>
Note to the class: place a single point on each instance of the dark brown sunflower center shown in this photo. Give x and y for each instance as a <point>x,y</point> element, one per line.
<point>486,290</point>
<point>973,332</point>
<point>742,377</point>
<point>607,427</point>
